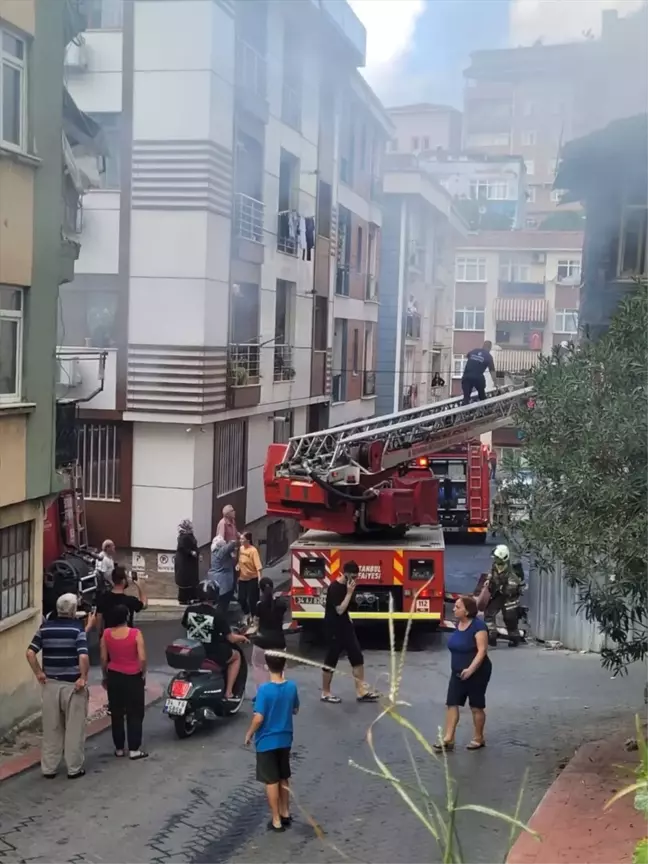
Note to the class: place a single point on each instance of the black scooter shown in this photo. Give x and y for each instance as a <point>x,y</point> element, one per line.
<point>196,694</point>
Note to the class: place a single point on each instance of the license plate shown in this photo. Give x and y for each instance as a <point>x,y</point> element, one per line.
<point>175,707</point>
<point>308,601</point>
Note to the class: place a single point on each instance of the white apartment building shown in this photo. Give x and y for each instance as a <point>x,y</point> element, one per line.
<point>208,269</point>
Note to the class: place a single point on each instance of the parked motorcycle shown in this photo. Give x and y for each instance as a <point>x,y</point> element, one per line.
<point>196,694</point>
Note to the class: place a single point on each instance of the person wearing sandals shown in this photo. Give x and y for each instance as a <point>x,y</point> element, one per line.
<point>470,672</point>
<point>123,661</point>
<point>341,636</point>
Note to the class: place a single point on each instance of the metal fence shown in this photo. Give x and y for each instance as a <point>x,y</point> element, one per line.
<point>553,614</point>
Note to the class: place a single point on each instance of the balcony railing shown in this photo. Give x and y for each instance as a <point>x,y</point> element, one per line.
<point>243,365</point>
<point>413,326</point>
<point>286,232</point>
<point>342,280</point>
<point>283,363</point>
<point>249,218</point>
<point>371,288</point>
<point>369,384</point>
<point>410,396</point>
<point>251,69</point>
<point>291,107</point>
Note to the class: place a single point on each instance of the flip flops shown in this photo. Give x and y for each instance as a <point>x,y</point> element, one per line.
<point>332,700</point>
<point>476,745</point>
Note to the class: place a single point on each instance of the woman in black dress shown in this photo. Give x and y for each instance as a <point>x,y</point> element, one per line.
<point>270,613</point>
<point>186,563</point>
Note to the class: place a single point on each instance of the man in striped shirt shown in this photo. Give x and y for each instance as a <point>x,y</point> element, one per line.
<point>63,676</point>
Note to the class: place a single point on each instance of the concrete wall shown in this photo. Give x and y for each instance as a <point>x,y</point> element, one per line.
<point>389,351</point>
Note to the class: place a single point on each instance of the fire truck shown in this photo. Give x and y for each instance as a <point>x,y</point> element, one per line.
<point>463,473</point>
<point>361,493</point>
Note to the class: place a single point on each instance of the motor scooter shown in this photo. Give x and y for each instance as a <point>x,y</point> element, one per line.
<point>196,694</point>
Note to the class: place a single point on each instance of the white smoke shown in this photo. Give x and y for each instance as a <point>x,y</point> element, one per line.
<point>554,21</point>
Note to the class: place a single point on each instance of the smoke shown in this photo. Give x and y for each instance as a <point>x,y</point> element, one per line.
<point>560,20</point>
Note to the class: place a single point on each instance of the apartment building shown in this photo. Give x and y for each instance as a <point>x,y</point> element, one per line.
<point>422,227</point>
<point>225,259</point>
<point>530,101</point>
<point>520,290</point>
<point>425,126</point>
<point>38,245</point>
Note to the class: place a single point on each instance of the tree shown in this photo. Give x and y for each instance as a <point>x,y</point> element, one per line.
<point>585,438</point>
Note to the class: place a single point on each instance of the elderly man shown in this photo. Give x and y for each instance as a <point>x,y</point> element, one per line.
<point>63,677</point>
<point>227,526</point>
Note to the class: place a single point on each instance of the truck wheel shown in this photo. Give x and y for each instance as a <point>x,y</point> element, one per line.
<point>185,726</point>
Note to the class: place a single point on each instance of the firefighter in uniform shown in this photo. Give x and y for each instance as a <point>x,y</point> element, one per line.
<point>505,585</point>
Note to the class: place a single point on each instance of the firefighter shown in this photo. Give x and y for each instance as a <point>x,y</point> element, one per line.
<point>505,586</point>
<point>477,362</point>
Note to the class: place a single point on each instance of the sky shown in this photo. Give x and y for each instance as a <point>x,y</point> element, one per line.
<point>417,49</point>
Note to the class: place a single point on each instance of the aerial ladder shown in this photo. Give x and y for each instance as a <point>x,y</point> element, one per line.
<point>357,478</point>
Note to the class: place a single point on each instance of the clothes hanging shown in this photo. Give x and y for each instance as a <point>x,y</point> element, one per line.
<point>309,236</point>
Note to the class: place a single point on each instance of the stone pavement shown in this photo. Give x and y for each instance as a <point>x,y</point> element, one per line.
<point>197,801</point>
<point>574,827</point>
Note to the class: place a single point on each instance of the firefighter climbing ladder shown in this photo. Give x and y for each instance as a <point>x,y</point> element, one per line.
<point>399,437</point>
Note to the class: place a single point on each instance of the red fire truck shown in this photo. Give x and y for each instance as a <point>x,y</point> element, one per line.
<point>463,473</point>
<point>360,493</point>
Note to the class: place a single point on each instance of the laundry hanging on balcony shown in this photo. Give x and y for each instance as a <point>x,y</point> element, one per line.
<point>306,236</point>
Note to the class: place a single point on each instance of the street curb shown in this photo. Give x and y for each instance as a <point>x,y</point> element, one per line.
<point>17,764</point>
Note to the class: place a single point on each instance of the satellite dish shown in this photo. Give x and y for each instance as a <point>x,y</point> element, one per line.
<point>482,210</point>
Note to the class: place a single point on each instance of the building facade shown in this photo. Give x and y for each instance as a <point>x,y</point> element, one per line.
<point>425,127</point>
<point>520,290</point>
<point>37,252</point>
<point>422,228</point>
<point>234,231</point>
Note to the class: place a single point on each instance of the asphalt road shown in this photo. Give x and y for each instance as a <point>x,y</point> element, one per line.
<point>197,800</point>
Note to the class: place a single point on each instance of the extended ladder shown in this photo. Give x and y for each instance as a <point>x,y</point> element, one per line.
<point>398,438</point>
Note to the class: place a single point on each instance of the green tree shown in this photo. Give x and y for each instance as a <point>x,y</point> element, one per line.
<point>585,440</point>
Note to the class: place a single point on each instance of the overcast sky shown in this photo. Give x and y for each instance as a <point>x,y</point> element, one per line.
<point>418,49</point>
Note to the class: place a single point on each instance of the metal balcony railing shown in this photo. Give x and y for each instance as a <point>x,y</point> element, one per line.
<point>371,288</point>
<point>291,109</point>
<point>286,236</point>
<point>251,69</point>
<point>369,384</point>
<point>243,365</point>
<point>283,363</point>
<point>413,326</point>
<point>249,217</point>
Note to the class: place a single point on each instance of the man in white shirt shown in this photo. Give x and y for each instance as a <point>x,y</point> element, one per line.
<point>106,563</point>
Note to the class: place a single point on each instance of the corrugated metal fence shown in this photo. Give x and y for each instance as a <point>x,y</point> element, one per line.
<point>553,612</point>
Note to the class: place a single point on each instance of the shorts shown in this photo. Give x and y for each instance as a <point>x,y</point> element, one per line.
<point>473,689</point>
<point>344,642</point>
<point>220,653</point>
<point>273,765</point>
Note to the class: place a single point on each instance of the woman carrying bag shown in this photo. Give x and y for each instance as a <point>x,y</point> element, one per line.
<point>123,662</point>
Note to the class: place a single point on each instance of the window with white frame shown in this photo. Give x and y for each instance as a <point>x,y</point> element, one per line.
<point>632,242</point>
<point>569,270</point>
<point>556,195</point>
<point>470,269</point>
<point>11,339</point>
<point>471,318</point>
<point>491,190</point>
<point>512,270</point>
<point>13,113</point>
<point>531,194</point>
<point>566,321</point>
<point>530,167</point>
<point>15,569</point>
<point>104,14</point>
<point>529,138</point>
<point>458,365</point>
<point>230,462</point>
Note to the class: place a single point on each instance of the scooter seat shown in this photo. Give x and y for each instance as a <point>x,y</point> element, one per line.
<point>210,666</point>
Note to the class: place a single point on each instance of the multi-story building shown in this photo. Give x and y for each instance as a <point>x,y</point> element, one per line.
<point>38,245</point>
<point>424,127</point>
<point>422,227</point>
<point>225,260</point>
<point>520,290</point>
<point>530,101</point>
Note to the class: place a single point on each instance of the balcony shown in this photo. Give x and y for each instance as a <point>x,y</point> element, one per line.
<point>371,289</point>
<point>413,326</point>
<point>283,363</point>
<point>248,218</point>
<point>368,385</point>
<point>251,67</point>
<point>528,310</point>
<point>244,375</point>
<point>515,361</point>
<point>342,280</point>
<point>511,288</point>
<point>410,396</point>
<point>287,222</point>
<point>291,109</point>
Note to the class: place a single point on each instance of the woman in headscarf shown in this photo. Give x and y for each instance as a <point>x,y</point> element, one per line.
<point>186,563</point>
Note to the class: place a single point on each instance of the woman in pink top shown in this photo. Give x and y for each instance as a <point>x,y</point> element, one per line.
<point>123,661</point>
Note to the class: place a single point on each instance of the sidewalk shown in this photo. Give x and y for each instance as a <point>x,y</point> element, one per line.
<point>570,818</point>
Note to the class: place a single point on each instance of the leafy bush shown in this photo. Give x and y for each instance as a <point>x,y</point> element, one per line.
<point>640,791</point>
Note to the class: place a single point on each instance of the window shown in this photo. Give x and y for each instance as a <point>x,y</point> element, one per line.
<point>529,138</point>
<point>355,351</point>
<point>99,454</point>
<point>109,170</point>
<point>283,422</point>
<point>11,331</point>
<point>415,143</point>
<point>511,270</point>
<point>491,190</point>
<point>458,365</point>
<point>469,319</point>
<point>15,569</point>
<point>569,270</point>
<point>12,89</point>
<point>393,145</point>
<point>359,251</point>
<point>566,321</point>
<point>556,195</point>
<point>230,444</point>
<point>530,167</point>
<point>104,14</point>
<point>488,139</point>
<point>632,242</point>
<point>426,142</point>
<point>531,194</point>
<point>470,269</point>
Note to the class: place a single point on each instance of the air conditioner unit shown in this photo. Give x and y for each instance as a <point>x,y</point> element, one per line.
<point>539,257</point>
<point>69,372</point>
<point>76,56</point>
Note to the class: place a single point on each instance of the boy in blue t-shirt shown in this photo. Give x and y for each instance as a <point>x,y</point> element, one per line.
<point>272,727</point>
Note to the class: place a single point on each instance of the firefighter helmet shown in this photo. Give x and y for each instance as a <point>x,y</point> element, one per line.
<point>501,554</point>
